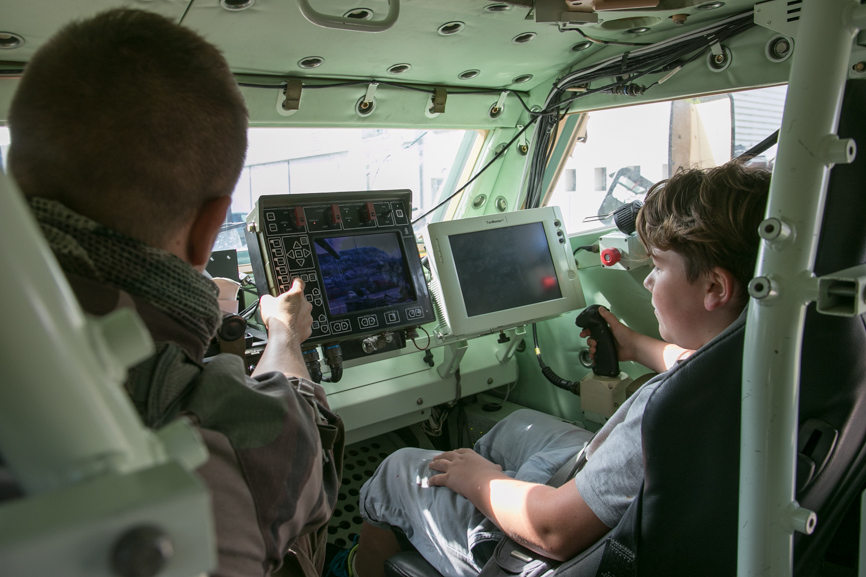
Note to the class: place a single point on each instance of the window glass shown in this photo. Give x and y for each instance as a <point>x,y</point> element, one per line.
<point>309,160</point>
<point>627,150</point>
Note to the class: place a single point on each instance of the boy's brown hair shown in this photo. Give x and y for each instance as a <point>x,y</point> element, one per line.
<point>709,217</point>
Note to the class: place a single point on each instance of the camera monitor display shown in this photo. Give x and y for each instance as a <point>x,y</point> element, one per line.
<point>495,272</point>
<point>363,272</point>
<point>356,253</point>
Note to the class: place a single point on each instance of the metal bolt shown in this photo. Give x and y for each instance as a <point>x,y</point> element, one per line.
<point>365,105</point>
<point>420,401</point>
<point>490,380</point>
<point>860,67</point>
<point>719,58</point>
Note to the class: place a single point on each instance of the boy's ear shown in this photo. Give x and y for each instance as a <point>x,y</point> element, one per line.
<point>721,290</point>
<point>204,230</point>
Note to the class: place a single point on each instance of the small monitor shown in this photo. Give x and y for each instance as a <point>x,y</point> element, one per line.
<point>502,271</point>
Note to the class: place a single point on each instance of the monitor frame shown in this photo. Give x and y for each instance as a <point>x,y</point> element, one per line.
<point>446,286</point>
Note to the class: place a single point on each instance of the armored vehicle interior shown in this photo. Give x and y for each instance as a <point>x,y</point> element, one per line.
<point>378,129</point>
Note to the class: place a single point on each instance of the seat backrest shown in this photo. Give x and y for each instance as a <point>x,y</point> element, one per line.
<point>684,522</point>
<point>833,367</point>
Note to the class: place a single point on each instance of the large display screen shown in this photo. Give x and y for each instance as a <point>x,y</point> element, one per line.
<point>504,268</point>
<point>363,272</point>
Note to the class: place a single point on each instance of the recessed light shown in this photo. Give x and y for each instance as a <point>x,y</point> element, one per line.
<point>359,14</point>
<point>521,79</point>
<point>235,5</point>
<point>450,28</point>
<point>399,68</point>
<point>311,62</point>
<point>581,46</point>
<point>498,7</point>
<point>9,41</point>
<point>779,48</point>
<point>468,74</point>
<point>523,38</point>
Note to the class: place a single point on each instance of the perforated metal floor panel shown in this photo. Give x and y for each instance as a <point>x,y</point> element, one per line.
<point>361,460</point>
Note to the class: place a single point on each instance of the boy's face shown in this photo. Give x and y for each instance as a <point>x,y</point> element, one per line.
<point>678,303</point>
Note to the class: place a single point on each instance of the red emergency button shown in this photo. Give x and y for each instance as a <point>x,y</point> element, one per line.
<point>610,256</point>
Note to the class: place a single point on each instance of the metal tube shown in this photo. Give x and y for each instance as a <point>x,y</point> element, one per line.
<point>774,328</point>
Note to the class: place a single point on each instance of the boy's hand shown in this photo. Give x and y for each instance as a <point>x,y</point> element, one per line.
<point>624,337</point>
<point>289,313</point>
<point>463,471</point>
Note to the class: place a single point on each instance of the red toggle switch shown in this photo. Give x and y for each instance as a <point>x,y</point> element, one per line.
<point>368,213</point>
<point>610,256</point>
<point>300,219</point>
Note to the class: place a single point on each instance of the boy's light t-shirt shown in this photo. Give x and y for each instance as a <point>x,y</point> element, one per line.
<point>614,473</point>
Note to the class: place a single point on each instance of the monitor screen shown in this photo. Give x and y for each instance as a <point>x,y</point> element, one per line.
<point>362,272</point>
<point>499,271</point>
<point>504,268</point>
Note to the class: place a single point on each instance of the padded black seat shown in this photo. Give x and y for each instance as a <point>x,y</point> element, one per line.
<point>684,522</point>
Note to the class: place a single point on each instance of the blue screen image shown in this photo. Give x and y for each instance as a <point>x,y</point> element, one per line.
<point>363,272</point>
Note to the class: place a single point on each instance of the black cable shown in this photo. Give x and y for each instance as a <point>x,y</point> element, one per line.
<point>609,42</point>
<point>570,386</point>
<point>480,172</point>
<point>760,147</point>
<point>627,70</point>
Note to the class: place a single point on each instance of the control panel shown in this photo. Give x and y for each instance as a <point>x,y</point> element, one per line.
<point>355,252</point>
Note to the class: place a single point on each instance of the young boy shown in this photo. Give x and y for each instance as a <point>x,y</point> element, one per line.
<point>700,229</point>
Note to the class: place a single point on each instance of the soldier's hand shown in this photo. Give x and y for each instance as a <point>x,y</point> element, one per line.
<point>290,313</point>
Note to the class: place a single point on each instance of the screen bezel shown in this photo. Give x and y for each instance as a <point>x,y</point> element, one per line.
<point>437,237</point>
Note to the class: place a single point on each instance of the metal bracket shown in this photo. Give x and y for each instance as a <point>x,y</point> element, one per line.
<point>438,100</point>
<point>782,16</point>
<point>507,350</point>
<point>559,11</point>
<point>371,92</point>
<point>496,109</point>
<point>292,92</point>
<point>843,293</point>
<point>453,355</point>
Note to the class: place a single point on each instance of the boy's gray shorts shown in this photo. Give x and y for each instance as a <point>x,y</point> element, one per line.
<point>444,526</point>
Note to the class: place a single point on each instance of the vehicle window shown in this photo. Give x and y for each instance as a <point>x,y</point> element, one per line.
<point>627,150</point>
<point>308,160</point>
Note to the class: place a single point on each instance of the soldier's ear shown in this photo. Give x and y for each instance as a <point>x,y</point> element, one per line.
<point>204,230</point>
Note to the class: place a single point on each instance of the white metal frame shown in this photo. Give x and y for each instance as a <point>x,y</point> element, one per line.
<point>785,284</point>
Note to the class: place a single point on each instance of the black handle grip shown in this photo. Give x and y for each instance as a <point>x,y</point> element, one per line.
<point>605,361</point>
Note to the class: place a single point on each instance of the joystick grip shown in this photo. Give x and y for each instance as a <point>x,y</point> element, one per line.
<point>605,361</point>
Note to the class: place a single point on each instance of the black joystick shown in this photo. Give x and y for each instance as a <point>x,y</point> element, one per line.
<point>605,362</point>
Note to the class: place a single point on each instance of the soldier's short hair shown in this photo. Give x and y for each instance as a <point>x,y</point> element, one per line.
<point>129,119</point>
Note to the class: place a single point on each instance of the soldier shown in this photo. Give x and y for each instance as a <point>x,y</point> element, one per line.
<point>128,135</point>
